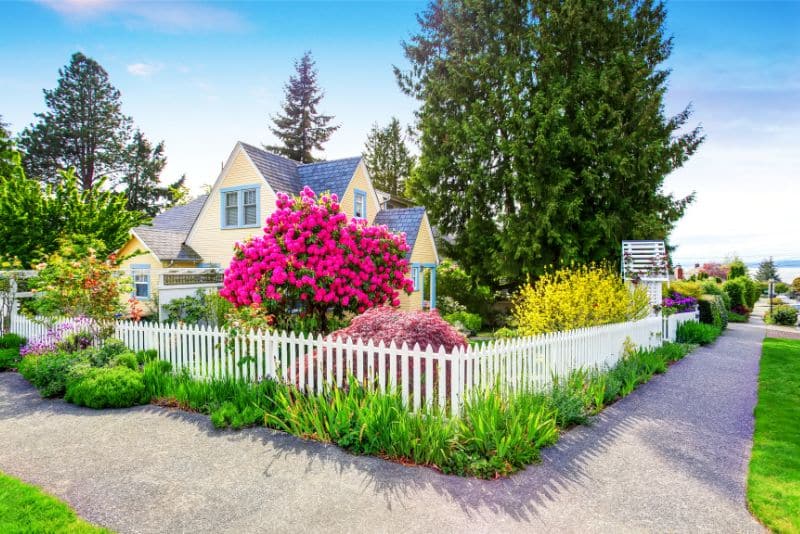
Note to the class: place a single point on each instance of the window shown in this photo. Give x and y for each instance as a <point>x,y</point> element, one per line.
<point>415,276</point>
<point>141,281</point>
<point>240,207</point>
<point>360,210</point>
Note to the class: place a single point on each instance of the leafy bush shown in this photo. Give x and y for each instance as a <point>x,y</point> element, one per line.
<point>711,288</point>
<point>453,282</point>
<point>737,269</point>
<point>734,317</point>
<point>684,287</point>
<point>782,315</point>
<point>230,415</point>
<point>126,359</point>
<point>447,305</point>
<point>574,298</point>
<point>9,358</point>
<point>101,356</point>
<point>48,372</point>
<point>107,387</point>
<point>780,288</point>
<point>737,291</point>
<point>70,335</point>
<point>204,308</point>
<point>776,301</point>
<point>713,311</point>
<point>144,356</point>
<point>697,333</point>
<point>387,325</point>
<point>11,341</point>
<point>505,333</point>
<point>470,322</point>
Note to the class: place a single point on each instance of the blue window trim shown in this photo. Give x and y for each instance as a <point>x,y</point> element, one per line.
<point>363,195</point>
<point>140,267</point>
<point>239,189</point>
<point>416,275</point>
<point>203,265</point>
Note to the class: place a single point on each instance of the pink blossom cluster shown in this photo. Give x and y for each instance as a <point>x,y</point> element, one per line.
<point>311,255</point>
<point>387,325</point>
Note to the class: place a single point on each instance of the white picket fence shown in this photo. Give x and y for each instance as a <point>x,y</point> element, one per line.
<point>421,376</point>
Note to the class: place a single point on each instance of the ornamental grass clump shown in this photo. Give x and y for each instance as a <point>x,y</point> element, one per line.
<point>577,297</point>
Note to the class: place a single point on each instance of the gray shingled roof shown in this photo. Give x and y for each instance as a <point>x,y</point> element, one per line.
<point>406,220</point>
<point>180,218</point>
<point>289,176</point>
<point>167,245</point>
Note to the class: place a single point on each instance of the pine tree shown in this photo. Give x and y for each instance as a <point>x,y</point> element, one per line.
<point>301,128</point>
<point>767,271</point>
<point>10,158</point>
<point>84,127</point>
<point>387,157</point>
<point>144,163</point>
<point>542,130</point>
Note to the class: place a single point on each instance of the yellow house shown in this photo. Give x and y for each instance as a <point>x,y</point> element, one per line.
<point>203,233</point>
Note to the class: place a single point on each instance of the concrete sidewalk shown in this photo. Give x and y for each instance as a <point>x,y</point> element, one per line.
<point>671,457</point>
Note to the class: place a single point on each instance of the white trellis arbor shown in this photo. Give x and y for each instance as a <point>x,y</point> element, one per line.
<point>645,262</point>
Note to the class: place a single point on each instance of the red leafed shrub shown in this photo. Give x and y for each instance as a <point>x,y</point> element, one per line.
<point>387,325</point>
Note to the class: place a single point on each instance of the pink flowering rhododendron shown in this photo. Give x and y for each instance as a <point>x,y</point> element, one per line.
<point>313,259</point>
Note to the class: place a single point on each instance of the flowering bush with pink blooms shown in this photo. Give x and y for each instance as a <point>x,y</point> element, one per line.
<point>387,325</point>
<point>313,259</point>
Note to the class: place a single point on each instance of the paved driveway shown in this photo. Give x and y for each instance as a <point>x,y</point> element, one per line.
<point>670,457</point>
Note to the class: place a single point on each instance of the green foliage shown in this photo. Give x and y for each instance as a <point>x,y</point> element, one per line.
<point>26,509</point>
<point>231,416</point>
<point>111,348</point>
<point>737,269</point>
<point>796,285</point>
<point>767,271</point>
<point>470,321</point>
<point>11,341</point>
<point>301,128</point>
<point>145,356</point>
<point>76,282</point>
<point>49,372</point>
<point>35,222</point>
<point>126,359</point>
<point>204,308</point>
<point>569,407</point>
<point>517,113</point>
<point>713,311</point>
<point>697,333</point>
<point>737,292</point>
<point>734,317</point>
<point>143,165</point>
<point>684,287</point>
<point>773,483</point>
<point>780,288</point>
<point>387,157</point>
<point>782,315</point>
<point>107,387</point>
<point>505,333</point>
<point>9,358</point>
<point>711,287</point>
<point>453,282</point>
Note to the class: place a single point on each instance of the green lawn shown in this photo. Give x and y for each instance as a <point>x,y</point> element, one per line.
<point>27,509</point>
<point>773,486</point>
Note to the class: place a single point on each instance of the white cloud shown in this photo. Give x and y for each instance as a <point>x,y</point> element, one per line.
<point>166,17</point>
<point>145,70</point>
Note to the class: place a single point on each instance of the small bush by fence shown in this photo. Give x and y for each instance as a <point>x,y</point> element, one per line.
<point>421,376</point>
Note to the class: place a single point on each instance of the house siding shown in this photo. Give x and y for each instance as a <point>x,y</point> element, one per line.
<point>208,239</point>
<point>362,182</point>
<point>424,252</point>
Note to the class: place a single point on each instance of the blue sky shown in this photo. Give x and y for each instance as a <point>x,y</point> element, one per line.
<point>203,75</point>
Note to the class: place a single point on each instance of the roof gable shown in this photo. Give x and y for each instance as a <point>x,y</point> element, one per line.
<point>167,245</point>
<point>279,172</point>
<point>406,220</point>
<point>180,218</point>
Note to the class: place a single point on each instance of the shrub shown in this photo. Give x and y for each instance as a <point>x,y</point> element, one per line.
<point>735,317</point>
<point>780,288</point>
<point>145,356</point>
<point>204,308</point>
<point>387,325</point>
<point>776,301</point>
<point>453,282</point>
<point>697,333</point>
<point>48,372</point>
<point>505,333</point>
<point>737,269</point>
<point>107,387</point>
<point>737,291</point>
<point>9,358</point>
<point>447,305</point>
<point>753,292</point>
<point>229,415</point>
<point>712,311</point>
<point>782,315</point>
<point>711,288</point>
<point>100,357</point>
<point>684,287</point>
<point>796,285</point>
<point>312,258</point>
<point>126,359</point>
<point>674,302</point>
<point>11,341</point>
<point>470,322</point>
<point>574,298</point>
<point>70,335</point>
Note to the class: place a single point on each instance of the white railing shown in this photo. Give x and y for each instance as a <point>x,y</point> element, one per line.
<point>420,375</point>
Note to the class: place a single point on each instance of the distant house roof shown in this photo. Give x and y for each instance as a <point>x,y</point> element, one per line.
<point>289,176</point>
<point>406,220</point>
<point>167,236</point>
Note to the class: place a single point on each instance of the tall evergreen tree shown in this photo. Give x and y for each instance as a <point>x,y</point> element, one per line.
<point>387,157</point>
<point>767,271</point>
<point>10,158</point>
<point>144,163</point>
<point>301,128</point>
<point>542,129</point>
<point>84,127</point>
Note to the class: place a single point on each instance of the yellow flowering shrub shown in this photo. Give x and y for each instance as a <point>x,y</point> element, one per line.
<point>577,297</point>
<point>684,287</point>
